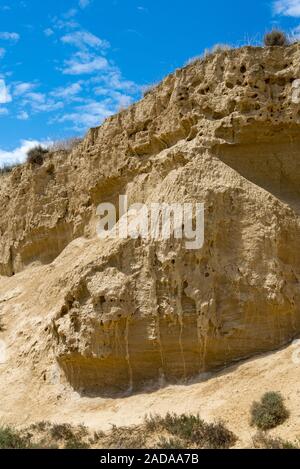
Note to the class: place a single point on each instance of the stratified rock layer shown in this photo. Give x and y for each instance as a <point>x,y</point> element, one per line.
<point>119,314</point>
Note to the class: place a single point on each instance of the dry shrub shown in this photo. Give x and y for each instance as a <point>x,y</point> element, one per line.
<point>36,155</point>
<point>269,412</point>
<point>276,38</point>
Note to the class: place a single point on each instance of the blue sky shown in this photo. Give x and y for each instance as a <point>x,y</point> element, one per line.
<point>66,65</point>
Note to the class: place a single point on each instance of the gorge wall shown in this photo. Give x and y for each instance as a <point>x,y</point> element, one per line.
<point>117,314</point>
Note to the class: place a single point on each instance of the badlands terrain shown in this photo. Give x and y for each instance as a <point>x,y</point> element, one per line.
<point>101,332</point>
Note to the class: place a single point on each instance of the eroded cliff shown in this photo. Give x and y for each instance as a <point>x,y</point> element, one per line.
<point>116,314</point>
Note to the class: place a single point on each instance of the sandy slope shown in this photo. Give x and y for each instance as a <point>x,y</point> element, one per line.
<point>225,395</point>
<point>33,388</point>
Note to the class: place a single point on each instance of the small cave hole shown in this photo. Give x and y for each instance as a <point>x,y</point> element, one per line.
<point>102,300</point>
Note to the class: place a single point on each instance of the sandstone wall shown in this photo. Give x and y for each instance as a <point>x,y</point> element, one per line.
<point>119,314</point>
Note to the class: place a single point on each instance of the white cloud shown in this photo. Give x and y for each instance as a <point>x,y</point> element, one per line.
<point>84,64</point>
<point>287,7</point>
<point>19,154</point>
<point>84,39</point>
<point>143,9</point>
<point>22,88</point>
<point>48,32</point>
<point>92,113</point>
<point>36,97</point>
<point>84,61</point>
<point>23,116</point>
<point>68,91</point>
<point>62,24</point>
<point>113,80</point>
<point>48,106</point>
<point>70,13</point>
<point>88,115</point>
<point>115,98</point>
<point>84,3</point>
<point>5,96</point>
<point>3,111</point>
<point>40,102</point>
<point>9,36</point>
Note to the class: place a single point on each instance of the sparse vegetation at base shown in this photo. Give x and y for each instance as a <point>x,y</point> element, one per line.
<point>263,441</point>
<point>269,412</point>
<point>172,431</point>
<point>171,443</point>
<point>276,38</point>
<point>61,432</point>
<point>13,439</point>
<point>192,431</point>
<point>125,438</point>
